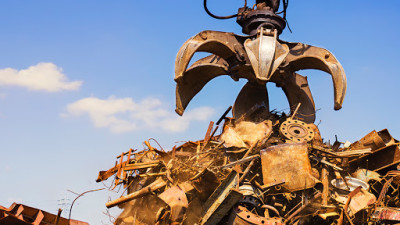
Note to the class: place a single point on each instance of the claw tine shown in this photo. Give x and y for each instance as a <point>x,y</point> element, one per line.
<point>297,91</point>
<point>253,97</point>
<point>302,56</point>
<point>196,77</point>
<point>223,44</point>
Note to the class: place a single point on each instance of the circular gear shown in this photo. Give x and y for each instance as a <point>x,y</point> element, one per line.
<point>296,131</point>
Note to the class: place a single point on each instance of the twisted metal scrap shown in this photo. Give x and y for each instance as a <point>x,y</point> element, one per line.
<point>259,58</point>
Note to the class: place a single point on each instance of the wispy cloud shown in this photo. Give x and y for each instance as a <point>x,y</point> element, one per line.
<point>41,77</point>
<point>123,114</point>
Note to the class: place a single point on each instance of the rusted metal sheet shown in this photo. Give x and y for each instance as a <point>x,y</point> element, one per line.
<point>177,201</point>
<point>246,134</point>
<point>19,214</point>
<point>362,200</point>
<point>289,162</point>
<point>374,140</point>
<point>386,214</point>
<point>366,175</point>
<point>242,216</point>
<point>380,159</point>
<point>346,206</point>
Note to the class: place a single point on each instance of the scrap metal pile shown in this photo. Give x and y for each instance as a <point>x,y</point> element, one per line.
<point>263,167</point>
<point>277,180</point>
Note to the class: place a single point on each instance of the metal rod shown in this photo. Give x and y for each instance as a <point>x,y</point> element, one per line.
<point>240,161</point>
<point>325,184</point>
<point>295,111</point>
<point>224,115</point>
<point>250,150</point>
<point>246,171</point>
<point>58,217</point>
<point>159,183</point>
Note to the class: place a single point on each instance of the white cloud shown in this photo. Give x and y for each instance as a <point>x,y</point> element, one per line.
<point>123,114</point>
<point>41,77</point>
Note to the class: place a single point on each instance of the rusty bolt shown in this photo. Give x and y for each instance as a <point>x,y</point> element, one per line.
<point>203,35</point>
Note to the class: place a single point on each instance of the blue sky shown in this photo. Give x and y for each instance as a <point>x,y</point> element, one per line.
<point>83,81</point>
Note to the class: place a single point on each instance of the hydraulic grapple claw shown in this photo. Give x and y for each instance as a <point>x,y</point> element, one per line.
<point>260,59</point>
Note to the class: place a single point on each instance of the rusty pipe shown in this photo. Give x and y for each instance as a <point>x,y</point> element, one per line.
<point>246,171</point>
<point>157,184</point>
<point>325,183</point>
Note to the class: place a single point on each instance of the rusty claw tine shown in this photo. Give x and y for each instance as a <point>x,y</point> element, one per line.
<point>252,95</point>
<point>302,56</point>
<point>226,45</point>
<point>196,77</point>
<point>297,91</point>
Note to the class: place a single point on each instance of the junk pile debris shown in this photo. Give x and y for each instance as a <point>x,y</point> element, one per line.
<point>259,166</point>
<point>19,214</point>
<point>236,178</point>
